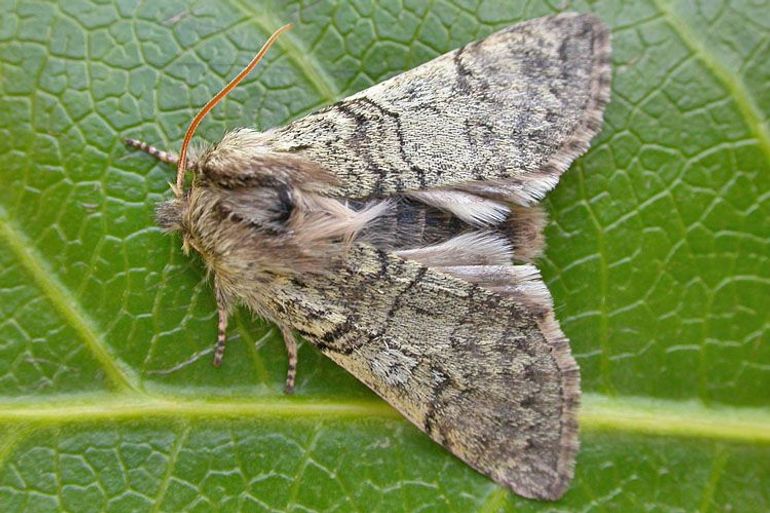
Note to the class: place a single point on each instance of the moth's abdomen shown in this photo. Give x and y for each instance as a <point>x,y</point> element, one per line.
<point>524,228</point>
<point>409,224</point>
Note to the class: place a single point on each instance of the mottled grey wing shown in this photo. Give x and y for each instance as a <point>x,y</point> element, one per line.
<point>517,107</point>
<point>486,377</point>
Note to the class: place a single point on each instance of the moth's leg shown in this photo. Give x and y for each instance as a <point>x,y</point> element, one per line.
<point>291,348</point>
<point>219,348</point>
<point>163,156</point>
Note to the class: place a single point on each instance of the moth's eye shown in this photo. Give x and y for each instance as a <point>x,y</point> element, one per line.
<point>284,206</point>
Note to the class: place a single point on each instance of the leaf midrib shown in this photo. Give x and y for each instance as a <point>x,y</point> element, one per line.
<point>599,413</point>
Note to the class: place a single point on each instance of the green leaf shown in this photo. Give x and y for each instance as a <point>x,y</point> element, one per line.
<point>658,259</point>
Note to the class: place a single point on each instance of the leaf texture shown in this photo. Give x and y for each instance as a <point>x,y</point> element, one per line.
<point>658,260</point>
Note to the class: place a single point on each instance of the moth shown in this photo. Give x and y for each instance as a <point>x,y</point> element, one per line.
<point>395,230</point>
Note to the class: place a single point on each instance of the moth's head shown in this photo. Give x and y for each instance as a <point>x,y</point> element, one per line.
<point>169,214</point>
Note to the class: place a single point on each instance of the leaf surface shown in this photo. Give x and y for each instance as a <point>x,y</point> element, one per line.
<point>658,259</point>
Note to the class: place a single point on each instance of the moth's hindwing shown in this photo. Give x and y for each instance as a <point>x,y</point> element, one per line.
<point>481,374</point>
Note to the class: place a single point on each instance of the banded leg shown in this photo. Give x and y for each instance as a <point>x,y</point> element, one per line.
<point>219,348</point>
<point>291,349</point>
<point>163,156</point>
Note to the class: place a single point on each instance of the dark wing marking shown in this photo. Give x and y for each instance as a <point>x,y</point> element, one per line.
<point>515,108</point>
<point>485,376</point>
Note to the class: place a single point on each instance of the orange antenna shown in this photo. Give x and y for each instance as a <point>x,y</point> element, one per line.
<point>180,170</point>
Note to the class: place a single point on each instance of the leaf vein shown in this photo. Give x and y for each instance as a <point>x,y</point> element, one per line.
<point>740,94</point>
<point>65,303</point>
